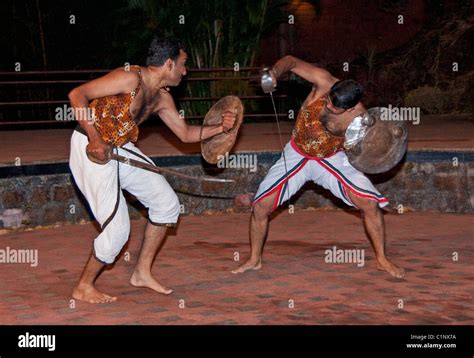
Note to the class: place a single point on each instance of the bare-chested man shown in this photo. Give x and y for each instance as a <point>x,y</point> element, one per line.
<point>315,153</point>
<point>122,100</point>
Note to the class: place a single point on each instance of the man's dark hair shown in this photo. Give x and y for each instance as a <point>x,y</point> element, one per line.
<point>346,94</point>
<point>162,49</point>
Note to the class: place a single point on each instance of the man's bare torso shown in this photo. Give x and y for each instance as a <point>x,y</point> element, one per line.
<point>148,101</point>
<point>335,124</point>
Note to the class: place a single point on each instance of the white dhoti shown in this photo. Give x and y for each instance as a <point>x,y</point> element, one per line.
<point>102,187</point>
<point>334,173</point>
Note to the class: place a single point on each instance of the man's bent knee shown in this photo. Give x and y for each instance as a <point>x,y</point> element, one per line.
<point>110,242</point>
<point>367,206</point>
<point>165,215</point>
<point>262,208</point>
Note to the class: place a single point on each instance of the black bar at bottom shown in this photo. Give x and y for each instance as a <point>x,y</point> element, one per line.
<point>431,340</point>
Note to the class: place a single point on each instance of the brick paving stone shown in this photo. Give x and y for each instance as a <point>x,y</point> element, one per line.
<point>266,295</point>
<point>27,316</point>
<point>247,308</point>
<point>461,317</point>
<point>20,307</point>
<point>210,313</point>
<point>226,322</point>
<point>119,314</point>
<point>194,304</point>
<point>157,309</point>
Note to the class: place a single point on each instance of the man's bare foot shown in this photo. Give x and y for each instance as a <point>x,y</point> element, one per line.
<point>391,268</point>
<point>147,280</point>
<point>90,294</point>
<point>248,265</point>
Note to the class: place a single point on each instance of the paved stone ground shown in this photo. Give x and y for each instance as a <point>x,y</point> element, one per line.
<point>442,132</point>
<point>295,286</point>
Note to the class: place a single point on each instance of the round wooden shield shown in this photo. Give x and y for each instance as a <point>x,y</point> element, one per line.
<point>222,143</point>
<point>373,143</point>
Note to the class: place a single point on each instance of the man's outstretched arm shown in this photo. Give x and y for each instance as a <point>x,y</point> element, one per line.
<point>186,133</point>
<point>316,75</point>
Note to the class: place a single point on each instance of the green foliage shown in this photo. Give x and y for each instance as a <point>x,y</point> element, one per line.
<point>217,34</point>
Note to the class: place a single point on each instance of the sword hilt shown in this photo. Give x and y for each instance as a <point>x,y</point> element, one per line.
<point>267,83</point>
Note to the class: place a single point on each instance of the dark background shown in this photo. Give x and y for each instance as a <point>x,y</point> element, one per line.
<point>400,64</point>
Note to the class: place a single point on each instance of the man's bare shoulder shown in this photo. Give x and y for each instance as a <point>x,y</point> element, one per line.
<point>128,78</point>
<point>126,71</point>
<point>164,102</point>
<point>118,81</point>
<point>324,86</point>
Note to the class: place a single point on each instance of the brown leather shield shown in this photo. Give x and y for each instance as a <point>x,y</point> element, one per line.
<point>375,144</point>
<point>222,143</point>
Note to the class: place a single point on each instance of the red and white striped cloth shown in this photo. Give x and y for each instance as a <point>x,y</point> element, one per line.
<point>334,173</point>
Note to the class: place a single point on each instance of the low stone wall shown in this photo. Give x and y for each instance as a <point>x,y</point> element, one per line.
<point>430,184</point>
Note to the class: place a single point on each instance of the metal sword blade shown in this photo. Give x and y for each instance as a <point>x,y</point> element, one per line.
<point>282,149</point>
<point>160,170</point>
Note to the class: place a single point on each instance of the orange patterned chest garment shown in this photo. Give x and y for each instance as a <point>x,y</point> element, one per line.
<point>112,117</point>
<point>311,137</point>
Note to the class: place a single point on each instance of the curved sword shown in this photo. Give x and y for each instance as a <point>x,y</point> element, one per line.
<point>160,170</point>
<point>268,87</point>
<point>198,186</point>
